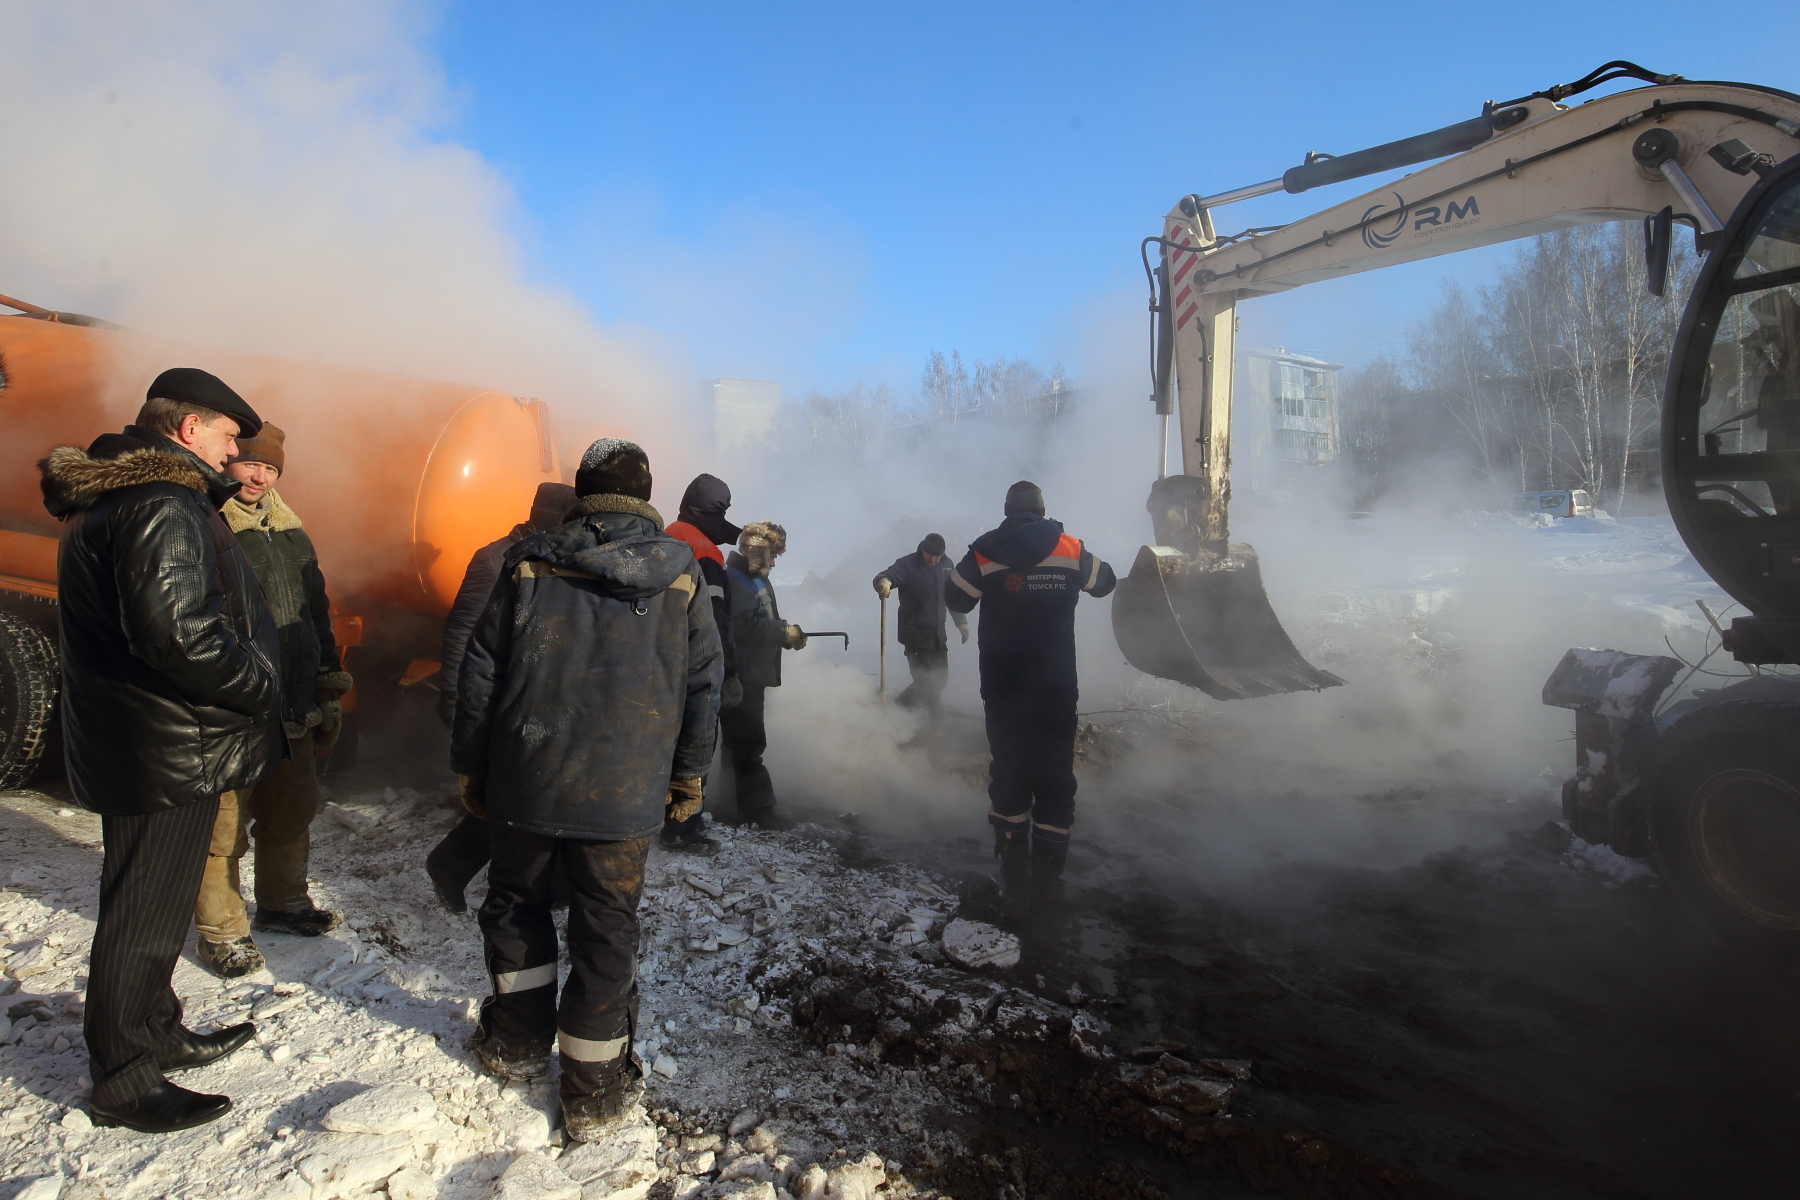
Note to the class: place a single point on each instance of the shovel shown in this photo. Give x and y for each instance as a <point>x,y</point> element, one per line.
<point>809,635</point>
<point>882,691</point>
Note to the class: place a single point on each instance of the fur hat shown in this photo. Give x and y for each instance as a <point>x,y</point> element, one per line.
<point>268,446</point>
<point>761,543</point>
<point>614,467</point>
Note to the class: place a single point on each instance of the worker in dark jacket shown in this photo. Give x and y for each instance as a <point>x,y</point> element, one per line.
<point>585,716</point>
<point>920,578</point>
<point>702,525</point>
<point>457,859</point>
<point>169,697</point>
<point>278,812</point>
<point>761,637</point>
<point>1027,575</point>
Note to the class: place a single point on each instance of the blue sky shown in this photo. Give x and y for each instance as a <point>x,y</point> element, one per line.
<point>822,193</point>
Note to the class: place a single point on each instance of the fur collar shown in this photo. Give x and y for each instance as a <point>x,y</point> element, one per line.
<point>73,480</point>
<point>587,506</point>
<point>270,514</point>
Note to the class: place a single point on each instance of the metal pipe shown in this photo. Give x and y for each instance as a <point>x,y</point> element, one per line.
<point>1236,194</point>
<point>1162,449</point>
<point>22,306</point>
<point>1690,195</point>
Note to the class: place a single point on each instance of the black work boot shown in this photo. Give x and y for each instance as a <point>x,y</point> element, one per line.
<point>1047,860</point>
<point>501,1059</point>
<point>1012,847</point>
<point>688,837</point>
<point>596,1095</point>
<point>229,960</point>
<point>769,820</point>
<point>310,921</point>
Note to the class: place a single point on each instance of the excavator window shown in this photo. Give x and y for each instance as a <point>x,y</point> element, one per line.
<point>1732,468</point>
<point>1750,413</point>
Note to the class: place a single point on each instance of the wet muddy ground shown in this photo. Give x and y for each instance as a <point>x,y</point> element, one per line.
<point>1493,1023</point>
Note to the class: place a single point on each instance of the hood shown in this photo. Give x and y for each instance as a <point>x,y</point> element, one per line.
<point>270,514</point>
<point>73,480</point>
<point>1022,540</point>
<point>616,540</point>
<point>704,506</point>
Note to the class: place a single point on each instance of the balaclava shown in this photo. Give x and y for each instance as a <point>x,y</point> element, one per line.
<point>614,467</point>
<point>704,506</point>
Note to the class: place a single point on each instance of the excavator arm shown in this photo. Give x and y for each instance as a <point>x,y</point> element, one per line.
<point>1193,608</point>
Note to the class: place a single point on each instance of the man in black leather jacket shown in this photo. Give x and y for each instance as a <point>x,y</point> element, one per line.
<point>457,859</point>
<point>170,697</point>
<point>585,717</point>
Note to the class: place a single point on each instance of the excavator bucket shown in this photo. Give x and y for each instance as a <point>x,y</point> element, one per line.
<point>1205,621</point>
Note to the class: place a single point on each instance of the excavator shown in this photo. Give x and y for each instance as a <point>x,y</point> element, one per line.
<point>1706,786</point>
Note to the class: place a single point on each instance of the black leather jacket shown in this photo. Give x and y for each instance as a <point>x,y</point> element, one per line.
<point>170,690</point>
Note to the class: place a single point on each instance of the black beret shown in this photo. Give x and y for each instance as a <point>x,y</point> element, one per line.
<point>191,385</point>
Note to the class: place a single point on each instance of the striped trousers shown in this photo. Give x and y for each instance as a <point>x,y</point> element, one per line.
<point>593,1023</point>
<point>148,884</point>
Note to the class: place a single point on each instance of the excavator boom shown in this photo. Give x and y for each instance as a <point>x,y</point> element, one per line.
<point>1193,609</point>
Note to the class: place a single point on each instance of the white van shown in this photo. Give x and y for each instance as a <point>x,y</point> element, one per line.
<point>1571,503</point>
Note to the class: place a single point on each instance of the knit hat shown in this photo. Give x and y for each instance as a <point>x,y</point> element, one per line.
<point>551,504</point>
<point>704,506</point>
<point>1024,497</point>
<point>932,545</point>
<point>267,446</point>
<point>191,385</point>
<point>614,467</point>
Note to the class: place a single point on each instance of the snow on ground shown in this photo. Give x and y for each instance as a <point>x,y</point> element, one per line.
<point>741,1103</point>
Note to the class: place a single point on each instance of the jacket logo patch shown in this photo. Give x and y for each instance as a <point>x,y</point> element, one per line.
<point>1015,582</point>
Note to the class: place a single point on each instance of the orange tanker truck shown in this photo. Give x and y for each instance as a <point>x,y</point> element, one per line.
<point>398,480</point>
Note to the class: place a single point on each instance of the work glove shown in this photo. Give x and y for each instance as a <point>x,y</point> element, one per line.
<point>964,630</point>
<point>793,638</point>
<point>685,796</point>
<point>331,719</point>
<point>474,794</point>
<point>883,585</point>
<point>732,694</point>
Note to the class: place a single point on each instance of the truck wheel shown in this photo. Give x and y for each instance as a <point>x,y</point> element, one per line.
<point>28,681</point>
<point>1726,822</point>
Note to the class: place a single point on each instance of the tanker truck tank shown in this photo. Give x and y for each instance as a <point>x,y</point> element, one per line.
<point>398,480</point>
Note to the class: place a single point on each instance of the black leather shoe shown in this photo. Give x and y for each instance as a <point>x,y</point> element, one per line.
<point>164,1109</point>
<point>192,1049</point>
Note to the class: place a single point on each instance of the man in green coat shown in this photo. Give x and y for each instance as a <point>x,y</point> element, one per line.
<point>278,812</point>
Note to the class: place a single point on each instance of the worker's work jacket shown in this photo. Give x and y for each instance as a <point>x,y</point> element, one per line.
<point>591,679</point>
<point>1027,576</point>
<point>718,585</point>
<point>921,588</point>
<point>756,624</point>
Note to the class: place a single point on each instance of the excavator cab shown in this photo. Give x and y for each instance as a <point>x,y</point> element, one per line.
<point>1731,435</point>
